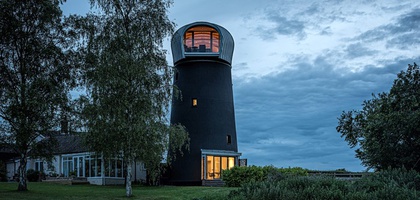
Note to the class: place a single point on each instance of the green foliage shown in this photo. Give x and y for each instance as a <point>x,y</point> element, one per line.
<point>128,83</point>
<point>38,68</point>
<point>386,132</point>
<point>237,176</point>
<point>3,172</point>
<point>391,177</point>
<point>389,184</point>
<point>32,175</point>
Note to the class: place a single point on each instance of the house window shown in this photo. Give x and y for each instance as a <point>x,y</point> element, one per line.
<point>194,102</point>
<point>202,39</point>
<point>67,166</point>
<point>229,139</point>
<point>39,166</point>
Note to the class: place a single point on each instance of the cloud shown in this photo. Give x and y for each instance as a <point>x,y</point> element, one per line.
<point>284,26</point>
<point>401,33</point>
<point>289,118</point>
<point>358,50</point>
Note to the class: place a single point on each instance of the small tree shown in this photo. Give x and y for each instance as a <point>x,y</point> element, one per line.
<point>128,83</point>
<point>386,131</point>
<point>36,75</point>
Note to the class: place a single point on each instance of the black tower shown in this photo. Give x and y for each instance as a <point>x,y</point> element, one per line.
<point>202,55</point>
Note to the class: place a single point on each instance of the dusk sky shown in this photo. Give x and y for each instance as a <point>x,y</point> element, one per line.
<point>298,64</point>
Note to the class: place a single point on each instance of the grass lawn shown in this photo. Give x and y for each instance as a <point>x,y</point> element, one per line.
<point>55,191</point>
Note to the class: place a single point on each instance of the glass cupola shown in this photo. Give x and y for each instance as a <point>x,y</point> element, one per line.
<point>202,39</point>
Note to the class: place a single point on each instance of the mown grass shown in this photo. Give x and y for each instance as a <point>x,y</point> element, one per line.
<point>39,190</point>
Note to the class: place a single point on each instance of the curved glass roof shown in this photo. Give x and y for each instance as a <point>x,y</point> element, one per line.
<point>202,39</point>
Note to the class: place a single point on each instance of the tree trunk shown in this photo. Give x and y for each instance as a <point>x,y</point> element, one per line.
<point>22,174</point>
<point>128,189</point>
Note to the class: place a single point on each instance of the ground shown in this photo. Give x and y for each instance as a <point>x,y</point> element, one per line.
<point>44,191</point>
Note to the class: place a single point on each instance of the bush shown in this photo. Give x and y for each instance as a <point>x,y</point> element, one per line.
<point>32,175</point>
<point>396,184</point>
<point>3,172</point>
<point>237,176</point>
<point>392,177</point>
<point>293,187</point>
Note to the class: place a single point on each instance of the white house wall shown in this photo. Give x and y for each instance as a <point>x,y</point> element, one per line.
<point>139,172</point>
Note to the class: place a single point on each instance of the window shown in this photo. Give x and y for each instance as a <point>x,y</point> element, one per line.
<point>67,165</point>
<point>229,139</point>
<point>194,102</point>
<point>201,39</point>
<point>215,165</point>
<point>39,166</point>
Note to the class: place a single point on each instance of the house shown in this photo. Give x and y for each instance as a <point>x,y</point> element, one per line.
<point>72,158</point>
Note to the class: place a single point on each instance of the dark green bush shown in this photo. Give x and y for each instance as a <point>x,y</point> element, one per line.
<point>397,184</point>
<point>293,187</point>
<point>32,175</point>
<point>3,172</point>
<point>237,176</point>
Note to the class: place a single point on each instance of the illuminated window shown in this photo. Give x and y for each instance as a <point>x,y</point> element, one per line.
<point>194,102</point>
<point>231,162</point>
<point>215,165</point>
<point>210,167</point>
<point>229,139</point>
<point>224,163</point>
<point>201,39</point>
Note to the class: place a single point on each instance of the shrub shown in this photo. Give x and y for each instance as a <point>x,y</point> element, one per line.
<point>32,175</point>
<point>396,184</point>
<point>293,187</point>
<point>391,177</point>
<point>3,172</point>
<point>237,176</point>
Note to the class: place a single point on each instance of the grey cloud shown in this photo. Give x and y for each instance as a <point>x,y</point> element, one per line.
<point>283,26</point>
<point>289,118</point>
<point>400,34</point>
<point>358,50</point>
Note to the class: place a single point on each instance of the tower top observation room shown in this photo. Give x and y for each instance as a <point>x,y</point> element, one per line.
<point>202,39</point>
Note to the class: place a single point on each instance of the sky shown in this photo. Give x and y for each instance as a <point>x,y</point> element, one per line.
<point>298,65</point>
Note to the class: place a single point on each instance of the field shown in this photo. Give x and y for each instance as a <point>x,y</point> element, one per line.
<point>39,190</point>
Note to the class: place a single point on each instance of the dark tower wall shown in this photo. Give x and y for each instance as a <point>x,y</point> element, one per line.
<point>206,78</point>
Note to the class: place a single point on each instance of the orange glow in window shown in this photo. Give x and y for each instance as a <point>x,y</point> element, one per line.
<point>201,39</point>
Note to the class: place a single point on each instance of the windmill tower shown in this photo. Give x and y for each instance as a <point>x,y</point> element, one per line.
<point>202,55</point>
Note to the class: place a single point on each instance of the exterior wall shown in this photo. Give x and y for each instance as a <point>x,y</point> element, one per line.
<point>95,180</point>
<point>114,181</point>
<point>139,172</point>
<point>12,169</point>
<point>56,165</point>
<point>210,122</point>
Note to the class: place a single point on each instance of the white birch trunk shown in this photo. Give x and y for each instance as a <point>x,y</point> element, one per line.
<point>22,174</point>
<point>128,189</point>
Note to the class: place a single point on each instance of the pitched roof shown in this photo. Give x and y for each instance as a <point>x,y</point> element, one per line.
<point>70,144</point>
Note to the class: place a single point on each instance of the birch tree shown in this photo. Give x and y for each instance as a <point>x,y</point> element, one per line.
<point>129,83</point>
<point>37,71</point>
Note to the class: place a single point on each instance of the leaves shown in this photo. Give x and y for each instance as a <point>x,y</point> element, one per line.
<point>386,131</point>
<point>37,70</point>
<point>129,82</point>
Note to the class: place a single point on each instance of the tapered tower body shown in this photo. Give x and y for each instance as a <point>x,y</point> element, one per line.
<point>202,55</point>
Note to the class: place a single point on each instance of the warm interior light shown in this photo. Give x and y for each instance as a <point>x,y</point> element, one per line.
<point>201,39</point>
<point>215,165</point>
<point>194,102</point>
